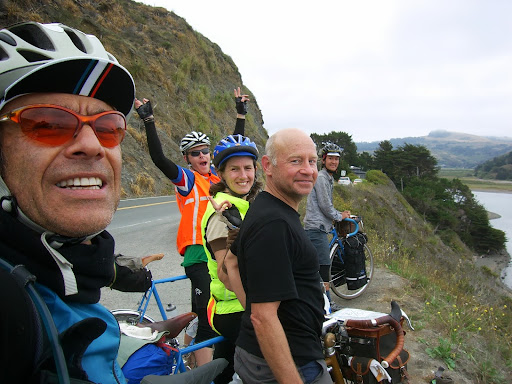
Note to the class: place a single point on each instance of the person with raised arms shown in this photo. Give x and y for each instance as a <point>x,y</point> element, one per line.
<point>192,185</point>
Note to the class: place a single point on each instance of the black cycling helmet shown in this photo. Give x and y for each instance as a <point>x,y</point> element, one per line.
<point>53,57</point>
<point>330,149</point>
<point>234,145</point>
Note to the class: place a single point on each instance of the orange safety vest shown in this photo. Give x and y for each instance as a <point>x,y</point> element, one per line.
<point>192,208</point>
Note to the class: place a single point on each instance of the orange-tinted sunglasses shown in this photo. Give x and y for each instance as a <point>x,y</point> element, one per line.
<point>55,125</point>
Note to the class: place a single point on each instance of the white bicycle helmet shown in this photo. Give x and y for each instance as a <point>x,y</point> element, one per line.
<point>38,57</point>
<point>330,149</point>
<point>193,139</point>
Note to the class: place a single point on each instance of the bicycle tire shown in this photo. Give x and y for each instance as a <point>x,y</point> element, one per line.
<point>337,281</point>
<point>130,316</point>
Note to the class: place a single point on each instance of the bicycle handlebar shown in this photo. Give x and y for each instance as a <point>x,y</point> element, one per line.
<point>372,323</point>
<point>356,224</point>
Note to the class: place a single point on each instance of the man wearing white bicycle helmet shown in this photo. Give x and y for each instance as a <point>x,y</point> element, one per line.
<point>192,187</point>
<point>63,102</point>
<point>320,212</point>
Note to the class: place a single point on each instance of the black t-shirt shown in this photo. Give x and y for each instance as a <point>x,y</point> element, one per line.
<point>278,263</point>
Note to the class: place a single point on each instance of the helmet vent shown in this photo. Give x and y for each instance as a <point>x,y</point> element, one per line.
<point>32,56</point>
<point>33,34</point>
<point>3,54</point>
<point>76,40</point>
<point>7,39</point>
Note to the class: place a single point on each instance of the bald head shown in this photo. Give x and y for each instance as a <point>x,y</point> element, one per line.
<point>290,165</point>
<point>284,138</point>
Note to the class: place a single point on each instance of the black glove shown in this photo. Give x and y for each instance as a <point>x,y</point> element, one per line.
<point>146,112</point>
<point>128,280</point>
<point>241,107</point>
<point>233,216</point>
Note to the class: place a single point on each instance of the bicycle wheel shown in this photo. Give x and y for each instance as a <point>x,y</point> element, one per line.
<point>130,316</point>
<point>337,280</point>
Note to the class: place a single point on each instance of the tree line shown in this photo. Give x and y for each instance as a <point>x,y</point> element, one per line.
<point>448,205</point>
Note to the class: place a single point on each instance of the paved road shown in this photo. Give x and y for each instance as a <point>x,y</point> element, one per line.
<point>142,227</point>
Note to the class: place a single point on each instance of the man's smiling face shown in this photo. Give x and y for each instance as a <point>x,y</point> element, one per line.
<point>72,189</point>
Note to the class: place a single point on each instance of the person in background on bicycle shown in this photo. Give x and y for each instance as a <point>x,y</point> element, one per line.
<point>192,186</point>
<point>63,102</point>
<point>234,159</point>
<point>279,338</point>
<point>320,212</point>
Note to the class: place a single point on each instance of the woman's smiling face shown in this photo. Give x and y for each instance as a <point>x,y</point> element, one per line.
<point>239,174</point>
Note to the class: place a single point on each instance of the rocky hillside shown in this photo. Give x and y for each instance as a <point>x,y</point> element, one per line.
<point>188,78</point>
<point>451,149</point>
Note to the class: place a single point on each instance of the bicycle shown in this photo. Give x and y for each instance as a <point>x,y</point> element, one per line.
<point>134,317</point>
<point>337,275</point>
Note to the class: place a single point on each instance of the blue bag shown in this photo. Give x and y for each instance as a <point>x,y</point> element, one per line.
<point>147,360</point>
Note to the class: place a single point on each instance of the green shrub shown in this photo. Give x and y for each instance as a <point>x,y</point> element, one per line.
<point>377,177</point>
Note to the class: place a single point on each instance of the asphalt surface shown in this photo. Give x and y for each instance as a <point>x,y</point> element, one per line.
<point>142,227</point>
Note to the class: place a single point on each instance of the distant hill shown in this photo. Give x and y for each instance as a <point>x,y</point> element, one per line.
<point>452,149</point>
<point>499,168</point>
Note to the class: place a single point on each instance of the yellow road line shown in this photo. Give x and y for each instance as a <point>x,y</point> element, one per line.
<point>146,205</point>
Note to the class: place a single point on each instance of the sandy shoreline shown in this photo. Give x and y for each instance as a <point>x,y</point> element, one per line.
<point>496,263</point>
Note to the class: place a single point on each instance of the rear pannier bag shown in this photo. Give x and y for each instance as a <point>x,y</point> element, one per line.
<point>354,259</point>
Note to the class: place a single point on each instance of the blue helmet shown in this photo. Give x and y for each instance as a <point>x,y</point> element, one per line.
<point>234,145</point>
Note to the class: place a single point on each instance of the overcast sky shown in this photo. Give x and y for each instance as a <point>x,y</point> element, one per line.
<point>376,69</point>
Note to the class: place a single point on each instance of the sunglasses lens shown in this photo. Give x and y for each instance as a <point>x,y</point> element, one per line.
<point>204,151</point>
<point>110,129</point>
<point>55,126</point>
<point>48,125</point>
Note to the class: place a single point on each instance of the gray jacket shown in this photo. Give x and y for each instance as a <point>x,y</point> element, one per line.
<point>320,211</point>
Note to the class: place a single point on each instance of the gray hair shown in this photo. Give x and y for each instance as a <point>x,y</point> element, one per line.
<point>270,149</point>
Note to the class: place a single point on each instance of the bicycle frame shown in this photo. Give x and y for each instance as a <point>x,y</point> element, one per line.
<point>144,302</point>
<point>177,352</point>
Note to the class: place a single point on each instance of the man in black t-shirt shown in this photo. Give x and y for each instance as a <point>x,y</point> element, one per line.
<point>280,333</point>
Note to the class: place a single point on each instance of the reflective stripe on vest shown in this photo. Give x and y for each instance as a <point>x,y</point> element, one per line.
<point>210,312</point>
<point>192,208</point>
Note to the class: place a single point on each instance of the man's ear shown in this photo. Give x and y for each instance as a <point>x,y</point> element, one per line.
<point>185,157</point>
<point>266,165</point>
